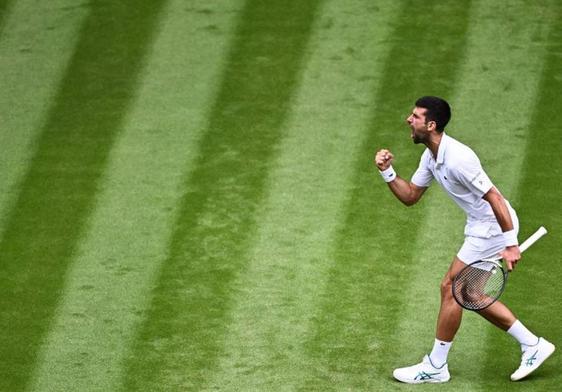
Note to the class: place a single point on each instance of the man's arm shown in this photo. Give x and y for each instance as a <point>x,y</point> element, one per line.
<point>405,191</point>
<point>511,254</point>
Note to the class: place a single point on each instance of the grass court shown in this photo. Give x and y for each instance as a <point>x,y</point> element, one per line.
<point>189,201</point>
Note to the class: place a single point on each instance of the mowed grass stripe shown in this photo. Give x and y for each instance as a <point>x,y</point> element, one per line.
<point>5,6</point>
<point>34,58</point>
<point>491,111</point>
<point>279,293</point>
<point>57,193</point>
<point>108,286</point>
<point>521,48</point>
<point>182,335</point>
<point>533,289</point>
<point>354,343</point>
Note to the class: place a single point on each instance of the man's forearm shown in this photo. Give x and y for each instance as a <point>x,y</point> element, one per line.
<point>403,191</point>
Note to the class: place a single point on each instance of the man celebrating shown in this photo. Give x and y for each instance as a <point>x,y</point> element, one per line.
<point>491,229</point>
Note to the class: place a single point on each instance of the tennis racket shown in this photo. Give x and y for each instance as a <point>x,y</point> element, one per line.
<point>480,284</point>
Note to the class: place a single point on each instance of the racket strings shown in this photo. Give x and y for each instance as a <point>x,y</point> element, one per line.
<point>478,286</point>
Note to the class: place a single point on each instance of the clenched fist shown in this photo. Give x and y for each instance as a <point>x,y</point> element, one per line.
<point>383,159</point>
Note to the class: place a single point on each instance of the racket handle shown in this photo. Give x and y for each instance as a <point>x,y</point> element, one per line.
<point>532,239</point>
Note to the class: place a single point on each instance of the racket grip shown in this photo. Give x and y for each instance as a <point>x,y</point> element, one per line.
<point>532,239</point>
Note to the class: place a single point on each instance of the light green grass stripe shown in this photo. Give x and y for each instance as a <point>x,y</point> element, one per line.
<point>491,110</point>
<point>33,56</point>
<point>109,284</point>
<point>281,289</point>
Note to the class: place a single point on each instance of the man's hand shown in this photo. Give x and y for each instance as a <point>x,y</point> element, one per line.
<point>383,159</point>
<point>511,255</point>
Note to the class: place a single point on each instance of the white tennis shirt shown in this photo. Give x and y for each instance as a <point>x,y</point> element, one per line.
<point>458,170</point>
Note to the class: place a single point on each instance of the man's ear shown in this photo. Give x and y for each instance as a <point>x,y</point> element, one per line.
<point>431,126</point>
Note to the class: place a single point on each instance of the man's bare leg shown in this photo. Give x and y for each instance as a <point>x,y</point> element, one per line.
<point>435,366</point>
<point>450,312</point>
<point>499,315</point>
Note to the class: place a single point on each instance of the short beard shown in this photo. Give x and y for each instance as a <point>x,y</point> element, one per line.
<point>418,140</point>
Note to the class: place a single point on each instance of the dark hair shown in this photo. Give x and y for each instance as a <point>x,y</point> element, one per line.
<point>438,110</point>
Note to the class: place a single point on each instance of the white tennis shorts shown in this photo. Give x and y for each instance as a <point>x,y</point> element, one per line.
<point>478,248</point>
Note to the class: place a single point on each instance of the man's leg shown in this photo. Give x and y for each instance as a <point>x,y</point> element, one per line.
<point>499,315</point>
<point>433,367</point>
<point>449,318</point>
<point>450,312</point>
<point>535,350</point>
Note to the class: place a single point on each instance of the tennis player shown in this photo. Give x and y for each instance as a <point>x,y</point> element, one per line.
<point>491,229</point>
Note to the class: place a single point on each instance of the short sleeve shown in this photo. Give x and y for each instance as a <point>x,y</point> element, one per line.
<point>471,174</point>
<point>423,175</point>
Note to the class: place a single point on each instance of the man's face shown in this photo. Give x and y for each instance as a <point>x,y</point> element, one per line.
<point>417,123</point>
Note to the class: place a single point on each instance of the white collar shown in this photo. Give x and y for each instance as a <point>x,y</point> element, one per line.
<point>442,147</point>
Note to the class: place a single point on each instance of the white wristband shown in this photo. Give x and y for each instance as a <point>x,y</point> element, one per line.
<point>510,238</point>
<point>388,175</point>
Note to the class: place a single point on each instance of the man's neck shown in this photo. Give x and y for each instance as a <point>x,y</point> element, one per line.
<point>433,143</point>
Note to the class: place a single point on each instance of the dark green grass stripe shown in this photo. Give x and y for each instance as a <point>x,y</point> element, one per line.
<point>4,9</point>
<point>57,194</point>
<point>533,289</point>
<point>375,243</point>
<point>183,332</point>
<point>4,5</point>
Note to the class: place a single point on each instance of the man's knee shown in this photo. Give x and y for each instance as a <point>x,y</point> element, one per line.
<point>447,283</point>
<point>446,287</point>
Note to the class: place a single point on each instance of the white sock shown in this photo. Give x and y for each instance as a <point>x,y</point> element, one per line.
<point>525,337</point>
<point>439,353</point>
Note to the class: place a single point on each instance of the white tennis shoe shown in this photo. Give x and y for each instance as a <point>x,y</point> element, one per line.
<point>422,372</point>
<point>532,358</point>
